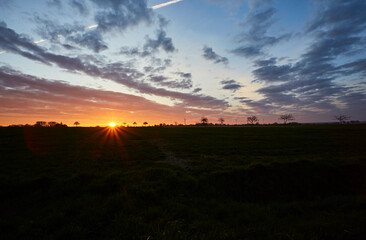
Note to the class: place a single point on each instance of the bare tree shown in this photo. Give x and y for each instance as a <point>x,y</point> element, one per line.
<point>76,123</point>
<point>221,120</point>
<point>252,119</point>
<point>204,120</point>
<point>342,118</point>
<point>286,118</point>
<point>145,123</point>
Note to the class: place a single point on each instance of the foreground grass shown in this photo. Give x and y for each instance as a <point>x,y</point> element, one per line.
<point>303,182</point>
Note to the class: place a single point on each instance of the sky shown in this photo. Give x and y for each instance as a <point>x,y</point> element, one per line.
<point>163,61</point>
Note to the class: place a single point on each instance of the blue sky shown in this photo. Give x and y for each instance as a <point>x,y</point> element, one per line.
<point>186,60</point>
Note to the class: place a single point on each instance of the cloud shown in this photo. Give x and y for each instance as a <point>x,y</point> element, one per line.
<point>196,90</point>
<point>161,41</point>
<point>55,3</point>
<point>80,5</point>
<point>185,81</point>
<point>71,34</point>
<point>270,72</point>
<point>159,65</point>
<point>29,96</point>
<point>231,85</point>
<point>152,46</point>
<point>315,80</point>
<point>210,54</point>
<point>117,72</point>
<point>354,67</point>
<point>120,15</point>
<point>257,22</point>
<point>3,24</point>
<point>90,39</point>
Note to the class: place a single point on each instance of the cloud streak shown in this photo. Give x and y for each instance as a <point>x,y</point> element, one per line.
<point>117,72</point>
<point>255,39</point>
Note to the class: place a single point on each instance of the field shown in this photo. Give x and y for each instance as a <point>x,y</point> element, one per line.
<point>260,182</point>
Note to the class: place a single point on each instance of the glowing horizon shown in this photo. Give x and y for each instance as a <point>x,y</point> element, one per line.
<point>126,62</point>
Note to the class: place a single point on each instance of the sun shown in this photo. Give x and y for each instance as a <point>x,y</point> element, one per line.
<point>112,125</point>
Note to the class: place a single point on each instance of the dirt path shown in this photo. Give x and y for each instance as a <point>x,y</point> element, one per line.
<point>171,158</point>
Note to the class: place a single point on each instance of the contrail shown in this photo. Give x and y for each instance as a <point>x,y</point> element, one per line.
<point>165,4</point>
<point>39,41</point>
<point>96,25</point>
<point>92,26</point>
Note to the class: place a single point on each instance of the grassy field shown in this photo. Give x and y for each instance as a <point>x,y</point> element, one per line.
<point>270,182</point>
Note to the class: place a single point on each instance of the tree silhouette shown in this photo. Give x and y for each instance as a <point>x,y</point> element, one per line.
<point>286,118</point>
<point>134,123</point>
<point>252,119</point>
<point>204,120</point>
<point>145,123</point>
<point>76,123</point>
<point>221,120</point>
<point>342,118</point>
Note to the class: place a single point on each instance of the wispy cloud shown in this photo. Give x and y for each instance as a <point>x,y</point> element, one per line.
<point>117,72</point>
<point>165,4</point>
<point>95,39</point>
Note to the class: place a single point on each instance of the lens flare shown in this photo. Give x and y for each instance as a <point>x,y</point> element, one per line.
<point>112,125</point>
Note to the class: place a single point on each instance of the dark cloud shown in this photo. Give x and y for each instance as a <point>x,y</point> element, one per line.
<point>152,46</point>
<point>196,90</point>
<point>314,81</point>
<point>248,51</point>
<point>231,85</point>
<point>68,46</point>
<point>210,54</point>
<point>133,52</point>
<point>91,39</point>
<point>117,15</point>
<point>158,65</point>
<point>161,41</point>
<point>184,75</point>
<point>185,81</point>
<point>122,14</point>
<point>177,84</point>
<point>257,22</point>
<point>355,67</point>
<point>80,5</point>
<point>269,72</point>
<point>117,72</point>
<point>74,34</point>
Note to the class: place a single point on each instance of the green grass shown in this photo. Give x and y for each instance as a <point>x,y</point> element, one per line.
<point>270,182</point>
